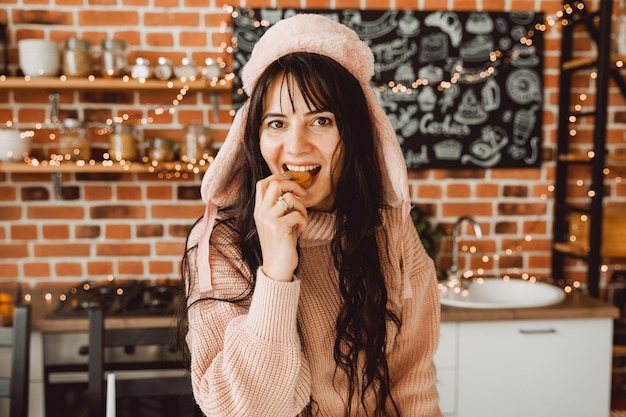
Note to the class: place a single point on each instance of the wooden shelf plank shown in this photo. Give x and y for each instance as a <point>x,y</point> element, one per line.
<point>577,158</point>
<point>579,252</point>
<point>113,84</point>
<point>570,249</point>
<point>99,167</point>
<point>578,63</point>
<point>574,158</point>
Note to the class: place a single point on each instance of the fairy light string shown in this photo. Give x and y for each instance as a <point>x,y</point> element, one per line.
<point>561,17</point>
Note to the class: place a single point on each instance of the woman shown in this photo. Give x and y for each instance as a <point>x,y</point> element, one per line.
<point>313,298</point>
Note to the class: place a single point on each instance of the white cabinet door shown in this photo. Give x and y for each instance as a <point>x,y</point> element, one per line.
<point>538,368</point>
<point>445,360</point>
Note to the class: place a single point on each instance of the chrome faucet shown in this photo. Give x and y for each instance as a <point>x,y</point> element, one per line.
<point>452,272</point>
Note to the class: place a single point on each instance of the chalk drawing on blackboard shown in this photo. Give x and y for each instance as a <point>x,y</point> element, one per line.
<point>490,95</point>
<point>486,151</point>
<point>477,49</point>
<point>522,17</point>
<point>433,47</point>
<point>449,96</point>
<point>449,23</point>
<point>479,23</point>
<point>431,73</point>
<point>461,89</point>
<point>427,99</point>
<point>523,124</point>
<point>448,149</point>
<point>518,32</point>
<point>405,74</point>
<point>523,86</point>
<point>524,56</point>
<point>470,111</point>
<point>408,25</point>
<point>372,29</point>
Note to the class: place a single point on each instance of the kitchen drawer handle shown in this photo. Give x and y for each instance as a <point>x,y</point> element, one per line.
<point>537,331</point>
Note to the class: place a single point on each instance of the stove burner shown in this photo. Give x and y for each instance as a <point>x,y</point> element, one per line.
<point>130,298</point>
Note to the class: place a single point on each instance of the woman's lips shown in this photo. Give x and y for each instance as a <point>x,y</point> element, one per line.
<point>303,175</point>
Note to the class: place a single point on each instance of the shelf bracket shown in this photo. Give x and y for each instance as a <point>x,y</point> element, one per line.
<point>56,181</point>
<point>215,100</point>
<point>54,104</point>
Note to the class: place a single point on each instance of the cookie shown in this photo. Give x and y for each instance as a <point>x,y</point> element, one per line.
<point>302,178</point>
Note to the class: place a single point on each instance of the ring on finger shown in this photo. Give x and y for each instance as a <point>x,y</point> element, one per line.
<point>283,204</point>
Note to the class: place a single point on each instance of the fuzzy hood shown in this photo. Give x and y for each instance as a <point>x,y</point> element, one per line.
<point>302,33</point>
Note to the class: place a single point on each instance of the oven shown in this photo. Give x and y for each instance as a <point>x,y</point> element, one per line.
<point>65,353</point>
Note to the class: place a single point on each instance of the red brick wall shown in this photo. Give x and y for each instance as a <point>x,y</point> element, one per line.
<point>134,225</point>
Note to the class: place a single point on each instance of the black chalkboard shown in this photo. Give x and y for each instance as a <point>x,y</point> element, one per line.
<point>462,89</point>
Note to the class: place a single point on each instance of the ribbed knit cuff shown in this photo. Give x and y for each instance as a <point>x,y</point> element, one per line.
<point>273,310</point>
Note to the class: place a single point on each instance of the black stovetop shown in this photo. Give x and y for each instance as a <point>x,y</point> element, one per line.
<point>129,298</point>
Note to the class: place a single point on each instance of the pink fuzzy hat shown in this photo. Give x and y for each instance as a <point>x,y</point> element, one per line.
<point>302,33</point>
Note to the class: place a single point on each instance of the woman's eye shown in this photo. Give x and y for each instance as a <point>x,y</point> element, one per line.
<point>323,121</point>
<point>275,124</point>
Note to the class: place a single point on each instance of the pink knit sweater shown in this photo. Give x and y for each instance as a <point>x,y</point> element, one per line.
<point>270,356</point>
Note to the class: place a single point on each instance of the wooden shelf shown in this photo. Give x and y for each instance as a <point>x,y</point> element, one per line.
<point>613,232</point>
<point>577,158</point>
<point>104,84</point>
<point>99,167</point>
<point>107,84</point>
<point>577,251</point>
<point>578,63</point>
<point>617,61</point>
<point>570,249</point>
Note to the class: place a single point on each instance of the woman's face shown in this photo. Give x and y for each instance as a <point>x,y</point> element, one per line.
<point>301,139</point>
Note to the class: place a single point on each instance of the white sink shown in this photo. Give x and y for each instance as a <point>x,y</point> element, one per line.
<point>501,293</point>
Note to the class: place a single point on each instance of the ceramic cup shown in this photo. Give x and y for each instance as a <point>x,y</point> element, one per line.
<point>39,57</point>
<point>13,147</point>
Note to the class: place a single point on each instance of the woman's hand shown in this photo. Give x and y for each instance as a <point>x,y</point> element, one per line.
<point>279,214</point>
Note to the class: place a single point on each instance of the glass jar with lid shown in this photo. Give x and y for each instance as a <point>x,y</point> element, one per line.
<point>77,58</point>
<point>163,70</point>
<point>123,142</point>
<point>187,71</point>
<point>197,143</point>
<point>113,58</point>
<point>212,69</point>
<point>74,141</point>
<point>141,70</point>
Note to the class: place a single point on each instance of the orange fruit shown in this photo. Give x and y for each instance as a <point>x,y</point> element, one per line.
<point>6,308</point>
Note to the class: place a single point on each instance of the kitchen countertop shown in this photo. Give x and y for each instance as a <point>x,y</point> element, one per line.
<point>58,325</point>
<point>44,300</point>
<point>575,306</point>
<point>41,322</point>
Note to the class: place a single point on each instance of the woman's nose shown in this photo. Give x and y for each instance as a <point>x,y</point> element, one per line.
<point>297,142</point>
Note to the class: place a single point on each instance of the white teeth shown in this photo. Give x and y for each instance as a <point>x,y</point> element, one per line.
<point>301,168</point>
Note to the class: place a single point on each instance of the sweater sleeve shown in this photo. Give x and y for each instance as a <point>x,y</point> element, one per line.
<point>246,358</point>
<point>412,367</point>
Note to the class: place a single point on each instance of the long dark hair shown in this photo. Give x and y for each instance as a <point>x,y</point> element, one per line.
<point>361,324</point>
